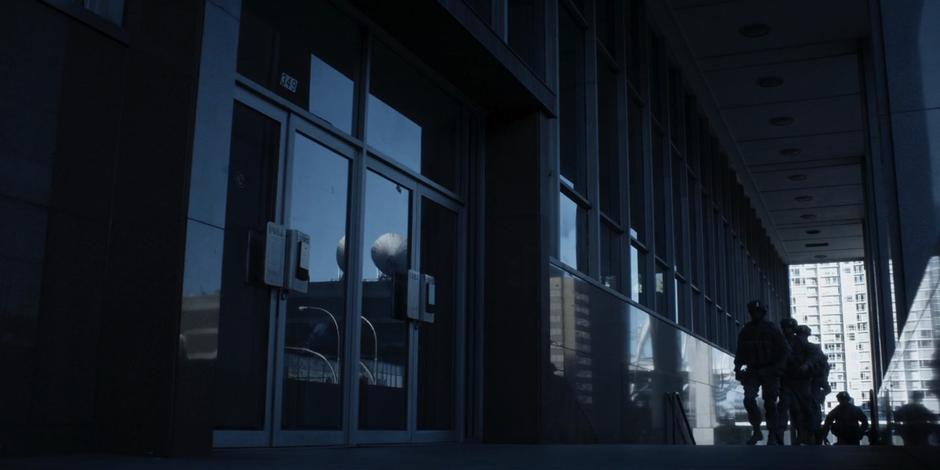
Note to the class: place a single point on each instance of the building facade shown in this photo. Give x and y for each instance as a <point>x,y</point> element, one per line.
<point>830,298</point>
<point>255,223</point>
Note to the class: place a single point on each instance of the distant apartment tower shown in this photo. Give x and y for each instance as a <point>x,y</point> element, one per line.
<point>831,298</point>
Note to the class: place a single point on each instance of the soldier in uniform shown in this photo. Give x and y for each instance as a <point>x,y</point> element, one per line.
<point>819,383</point>
<point>915,422</point>
<point>847,421</point>
<point>795,396</point>
<point>787,411</point>
<point>761,356</point>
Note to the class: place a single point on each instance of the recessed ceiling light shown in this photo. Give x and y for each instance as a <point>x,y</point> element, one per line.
<point>805,198</point>
<point>797,177</point>
<point>769,82</point>
<point>817,245</point>
<point>755,30</point>
<point>791,152</point>
<point>812,232</point>
<point>808,216</point>
<point>820,256</point>
<point>781,121</point>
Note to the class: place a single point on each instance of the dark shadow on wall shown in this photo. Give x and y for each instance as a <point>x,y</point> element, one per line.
<point>913,80</point>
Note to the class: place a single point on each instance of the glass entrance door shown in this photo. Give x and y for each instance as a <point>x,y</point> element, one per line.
<point>336,361</point>
<point>312,327</point>
<point>409,368</point>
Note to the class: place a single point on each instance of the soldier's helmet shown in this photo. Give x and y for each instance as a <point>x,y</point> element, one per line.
<point>788,324</point>
<point>756,306</point>
<point>843,397</point>
<point>803,331</point>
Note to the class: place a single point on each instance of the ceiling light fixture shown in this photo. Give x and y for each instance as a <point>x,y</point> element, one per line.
<point>791,152</point>
<point>817,245</point>
<point>812,232</point>
<point>797,177</point>
<point>820,256</point>
<point>755,30</point>
<point>782,121</point>
<point>769,82</point>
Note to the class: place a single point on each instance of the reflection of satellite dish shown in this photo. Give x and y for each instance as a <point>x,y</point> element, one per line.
<point>390,253</point>
<point>341,253</point>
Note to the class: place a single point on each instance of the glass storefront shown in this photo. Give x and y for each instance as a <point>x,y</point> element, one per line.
<point>370,181</point>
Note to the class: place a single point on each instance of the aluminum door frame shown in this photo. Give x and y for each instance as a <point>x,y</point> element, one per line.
<point>286,438</point>
<point>419,191</point>
<point>461,280</point>
<point>262,437</point>
<point>293,119</point>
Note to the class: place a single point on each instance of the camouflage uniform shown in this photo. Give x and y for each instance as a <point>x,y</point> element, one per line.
<point>763,349</point>
<point>795,396</point>
<point>847,421</point>
<point>819,385</point>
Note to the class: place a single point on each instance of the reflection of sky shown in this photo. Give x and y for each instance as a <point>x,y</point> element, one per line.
<point>331,94</point>
<point>318,203</point>
<point>393,134</point>
<point>568,231</point>
<point>387,207</point>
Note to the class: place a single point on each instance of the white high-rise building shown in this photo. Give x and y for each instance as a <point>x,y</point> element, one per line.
<point>832,299</point>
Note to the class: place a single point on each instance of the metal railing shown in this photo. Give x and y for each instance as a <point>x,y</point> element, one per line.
<point>678,420</point>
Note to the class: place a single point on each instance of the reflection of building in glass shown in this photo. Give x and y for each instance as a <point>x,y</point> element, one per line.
<point>831,298</point>
<point>570,336</point>
<point>912,375</point>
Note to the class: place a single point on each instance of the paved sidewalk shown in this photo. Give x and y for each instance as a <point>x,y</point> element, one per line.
<point>480,457</point>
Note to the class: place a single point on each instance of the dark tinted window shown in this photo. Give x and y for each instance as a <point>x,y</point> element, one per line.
<point>609,148</point>
<point>305,51</point>
<point>572,112</point>
<point>411,120</point>
<point>525,30</point>
<point>637,171</point>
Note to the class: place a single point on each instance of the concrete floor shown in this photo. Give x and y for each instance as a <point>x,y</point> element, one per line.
<point>480,457</point>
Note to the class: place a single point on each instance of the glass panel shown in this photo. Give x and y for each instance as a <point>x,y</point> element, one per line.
<point>307,52</point>
<point>695,227</point>
<point>659,193</point>
<point>605,22</point>
<point>638,275</point>
<point>571,96</point>
<point>111,10</point>
<point>709,321</point>
<point>721,276</point>
<point>484,8</point>
<point>411,120</point>
<point>240,378</point>
<point>683,310</point>
<point>526,32</point>
<point>637,172</point>
<point>572,234</point>
<point>731,338</point>
<point>676,109</point>
<point>436,351</point>
<point>609,151</point>
<point>633,20</point>
<point>708,248</point>
<point>313,345</point>
<point>660,305</point>
<point>657,80</point>
<point>384,338</point>
<point>610,257</point>
<point>678,229</point>
<point>721,332</point>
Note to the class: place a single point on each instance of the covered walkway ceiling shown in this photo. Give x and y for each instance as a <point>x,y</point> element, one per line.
<point>786,77</point>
